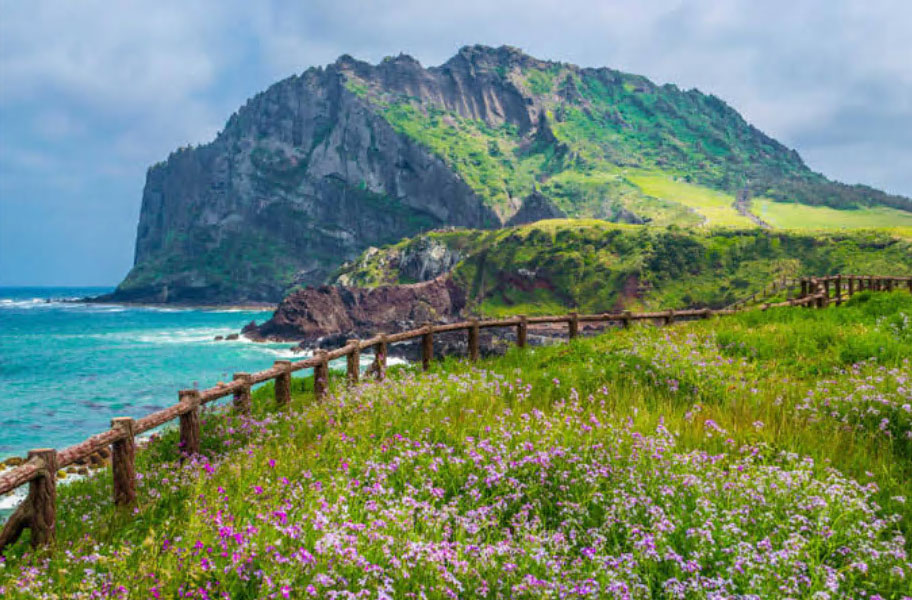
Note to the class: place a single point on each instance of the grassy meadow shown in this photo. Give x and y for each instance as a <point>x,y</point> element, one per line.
<point>715,207</point>
<point>786,215</point>
<point>768,454</point>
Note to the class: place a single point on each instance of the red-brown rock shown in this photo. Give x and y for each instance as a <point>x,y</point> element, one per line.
<point>313,313</point>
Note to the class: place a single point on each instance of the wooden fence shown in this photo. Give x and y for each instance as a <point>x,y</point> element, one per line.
<point>38,511</point>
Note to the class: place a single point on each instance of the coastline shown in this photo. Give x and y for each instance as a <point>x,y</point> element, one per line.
<point>249,306</point>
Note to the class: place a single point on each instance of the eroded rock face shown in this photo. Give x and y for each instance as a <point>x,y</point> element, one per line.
<point>536,207</point>
<point>313,313</point>
<point>305,176</point>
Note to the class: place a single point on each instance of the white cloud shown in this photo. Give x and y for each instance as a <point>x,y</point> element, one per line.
<point>92,92</point>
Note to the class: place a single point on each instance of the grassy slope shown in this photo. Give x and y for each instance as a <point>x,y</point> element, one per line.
<point>717,208</point>
<point>798,216</point>
<point>648,460</point>
<point>554,266</point>
<point>615,143</point>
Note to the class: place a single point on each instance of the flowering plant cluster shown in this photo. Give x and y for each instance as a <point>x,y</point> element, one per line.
<point>701,461</point>
<point>870,398</point>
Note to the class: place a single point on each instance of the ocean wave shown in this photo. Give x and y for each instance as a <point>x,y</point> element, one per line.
<point>12,500</point>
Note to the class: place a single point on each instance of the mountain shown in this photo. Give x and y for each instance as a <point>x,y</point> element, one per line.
<point>320,166</point>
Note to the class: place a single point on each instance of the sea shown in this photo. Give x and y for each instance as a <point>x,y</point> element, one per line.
<point>67,368</point>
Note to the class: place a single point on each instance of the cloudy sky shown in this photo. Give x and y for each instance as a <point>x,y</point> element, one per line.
<point>93,92</point>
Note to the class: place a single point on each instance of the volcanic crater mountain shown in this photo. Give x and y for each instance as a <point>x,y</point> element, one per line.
<point>325,164</point>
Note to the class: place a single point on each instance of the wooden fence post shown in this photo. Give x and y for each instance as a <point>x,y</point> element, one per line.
<point>522,331</point>
<point>189,423</point>
<point>283,383</point>
<point>353,361</point>
<point>625,319</point>
<point>804,288</point>
<point>43,499</point>
<point>427,346</point>
<point>321,375</point>
<point>473,339</point>
<point>707,313</point>
<point>890,284</point>
<point>123,462</point>
<point>838,290</point>
<point>910,285</point>
<point>826,287</point>
<point>380,351</point>
<point>851,285</point>
<point>573,329</point>
<point>242,396</point>
<point>669,317</point>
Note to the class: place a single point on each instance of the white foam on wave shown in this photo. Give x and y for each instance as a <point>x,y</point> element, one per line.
<point>12,500</point>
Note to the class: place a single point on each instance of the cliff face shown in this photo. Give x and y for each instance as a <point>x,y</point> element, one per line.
<point>303,177</point>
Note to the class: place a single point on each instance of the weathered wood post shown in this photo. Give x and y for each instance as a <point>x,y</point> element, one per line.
<point>353,361</point>
<point>42,499</point>
<point>321,375</point>
<point>427,346</point>
<point>889,284</point>
<point>804,288</point>
<point>522,331</point>
<point>242,396</point>
<point>707,313</point>
<point>851,285</point>
<point>473,339</point>
<point>573,329</point>
<point>189,423</point>
<point>123,462</point>
<point>625,319</point>
<point>910,285</point>
<point>283,383</point>
<point>380,351</point>
<point>669,317</point>
<point>838,290</point>
<point>826,287</point>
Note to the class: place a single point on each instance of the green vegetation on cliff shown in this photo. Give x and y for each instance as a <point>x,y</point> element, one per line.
<point>601,142</point>
<point>593,266</point>
<point>764,455</point>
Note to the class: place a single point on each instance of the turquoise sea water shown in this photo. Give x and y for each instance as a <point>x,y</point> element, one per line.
<point>67,369</point>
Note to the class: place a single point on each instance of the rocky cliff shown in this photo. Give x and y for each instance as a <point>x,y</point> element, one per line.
<point>342,312</point>
<point>325,164</point>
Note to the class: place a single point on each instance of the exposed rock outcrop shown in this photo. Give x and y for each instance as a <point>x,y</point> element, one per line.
<point>536,207</point>
<point>341,312</point>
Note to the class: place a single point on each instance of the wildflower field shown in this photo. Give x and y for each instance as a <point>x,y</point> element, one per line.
<point>763,455</point>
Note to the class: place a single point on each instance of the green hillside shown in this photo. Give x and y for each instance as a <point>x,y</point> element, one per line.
<point>601,138</point>
<point>708,459</point>
<point>588,265</point>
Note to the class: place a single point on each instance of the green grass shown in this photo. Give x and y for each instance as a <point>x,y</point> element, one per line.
<point>785,215</point>
<point>593,266</point>
<point>719,442</point>
<point>714,206</point>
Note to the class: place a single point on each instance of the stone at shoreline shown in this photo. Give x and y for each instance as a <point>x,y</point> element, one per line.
<point>219,338</point>
<point>231,337</point>
<point>332,314</point>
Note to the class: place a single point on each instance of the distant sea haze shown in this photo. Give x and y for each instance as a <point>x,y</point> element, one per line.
<point>67,368</point>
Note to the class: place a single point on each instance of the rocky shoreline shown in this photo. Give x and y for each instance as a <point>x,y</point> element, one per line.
<point>328,316</point>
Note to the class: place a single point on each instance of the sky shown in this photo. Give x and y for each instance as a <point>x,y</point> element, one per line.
<point>94,92</point>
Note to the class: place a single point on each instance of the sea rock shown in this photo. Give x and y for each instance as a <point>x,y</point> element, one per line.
<point>231,337</point>
<point>219,338</point>
<point>332,314</point>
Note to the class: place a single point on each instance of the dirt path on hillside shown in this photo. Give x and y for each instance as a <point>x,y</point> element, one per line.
<point>742,205</point>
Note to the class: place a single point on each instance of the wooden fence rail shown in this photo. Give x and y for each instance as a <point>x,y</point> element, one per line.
<point>38,511</point>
